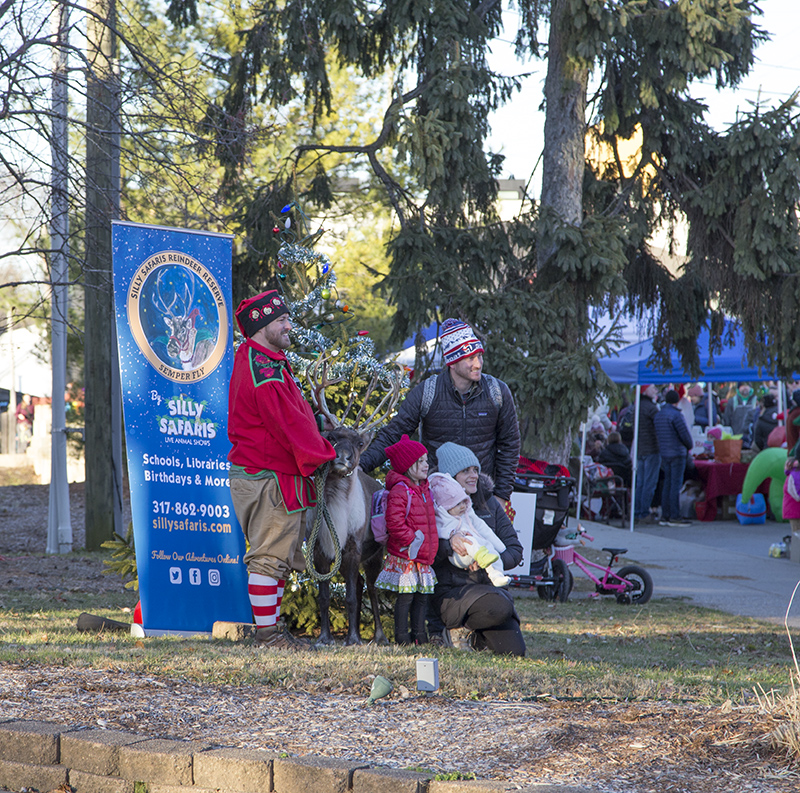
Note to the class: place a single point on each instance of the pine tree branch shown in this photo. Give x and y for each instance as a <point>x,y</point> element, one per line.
<point>678,195</point>
<point>393,189</point>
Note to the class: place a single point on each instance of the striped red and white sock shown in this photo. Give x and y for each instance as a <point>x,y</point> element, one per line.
<point>263,592</point>
<point>281,587</point>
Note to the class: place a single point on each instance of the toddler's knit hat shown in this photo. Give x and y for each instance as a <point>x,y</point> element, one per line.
<point>403,454</point>
<point>446,492</point>
<point>452,458</point>
<point>458,341</point>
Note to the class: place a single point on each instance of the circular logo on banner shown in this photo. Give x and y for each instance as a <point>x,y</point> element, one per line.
<point>177,314</point>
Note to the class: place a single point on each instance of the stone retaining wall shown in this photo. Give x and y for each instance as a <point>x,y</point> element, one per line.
<point>38,755</point>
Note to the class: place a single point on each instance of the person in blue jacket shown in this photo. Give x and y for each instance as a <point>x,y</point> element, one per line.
<point>702,409</point>
<point>674,443</point>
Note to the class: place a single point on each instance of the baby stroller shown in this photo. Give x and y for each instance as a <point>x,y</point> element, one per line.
<point>555,493</point>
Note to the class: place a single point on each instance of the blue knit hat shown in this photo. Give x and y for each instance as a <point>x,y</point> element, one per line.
<point>452,458</point>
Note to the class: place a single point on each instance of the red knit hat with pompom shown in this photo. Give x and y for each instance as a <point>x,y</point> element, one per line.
<point>403,454</point>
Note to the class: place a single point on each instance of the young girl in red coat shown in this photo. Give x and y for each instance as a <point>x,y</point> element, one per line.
<point>413,539</point>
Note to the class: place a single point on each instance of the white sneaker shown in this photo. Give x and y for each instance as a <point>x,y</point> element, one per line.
<point>497,578</point>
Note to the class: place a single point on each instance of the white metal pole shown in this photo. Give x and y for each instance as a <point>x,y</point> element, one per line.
<point>59,523</point>
<point>634,454</point>
<point>580,473</point>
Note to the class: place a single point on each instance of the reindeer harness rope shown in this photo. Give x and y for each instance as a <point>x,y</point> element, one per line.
<point>320,475</point>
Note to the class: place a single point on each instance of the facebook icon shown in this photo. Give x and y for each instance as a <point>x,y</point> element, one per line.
<point>194,576</point>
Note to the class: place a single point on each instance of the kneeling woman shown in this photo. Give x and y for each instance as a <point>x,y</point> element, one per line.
<point>466,599</point>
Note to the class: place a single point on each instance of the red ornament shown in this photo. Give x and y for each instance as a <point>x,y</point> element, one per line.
<point>345,308</point>
<point>363,333</point>
<point>276,230</point>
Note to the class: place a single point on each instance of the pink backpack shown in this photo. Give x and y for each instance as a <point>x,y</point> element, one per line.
<point>378,514</point>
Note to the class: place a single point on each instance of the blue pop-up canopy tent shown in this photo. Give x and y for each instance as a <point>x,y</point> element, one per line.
<point>632,364</point>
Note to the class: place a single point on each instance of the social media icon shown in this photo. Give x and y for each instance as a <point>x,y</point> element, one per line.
<point>175,575</point>
<point>214,578</point>
<point>194,576</point>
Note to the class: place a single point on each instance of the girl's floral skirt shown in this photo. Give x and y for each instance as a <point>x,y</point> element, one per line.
<point>406,575</point>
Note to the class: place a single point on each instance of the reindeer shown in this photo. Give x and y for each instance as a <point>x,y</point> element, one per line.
<point>180,319</point>
<point>348,494</point>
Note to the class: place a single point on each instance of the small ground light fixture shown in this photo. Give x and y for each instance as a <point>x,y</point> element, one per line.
<point>427,674</point>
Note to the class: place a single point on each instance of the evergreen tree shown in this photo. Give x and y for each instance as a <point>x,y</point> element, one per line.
<point>531,286</point>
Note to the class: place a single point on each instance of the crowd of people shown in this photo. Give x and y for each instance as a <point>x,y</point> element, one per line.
<point>666,418</point>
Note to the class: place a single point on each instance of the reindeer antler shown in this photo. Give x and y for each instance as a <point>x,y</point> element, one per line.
<point>317,375</point>
<point>390,380</point>
<point>386,380</point>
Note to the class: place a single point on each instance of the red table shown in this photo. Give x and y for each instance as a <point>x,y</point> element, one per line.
<point>722,479</point>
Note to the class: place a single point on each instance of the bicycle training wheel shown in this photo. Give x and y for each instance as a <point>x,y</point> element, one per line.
<point>642,585</point>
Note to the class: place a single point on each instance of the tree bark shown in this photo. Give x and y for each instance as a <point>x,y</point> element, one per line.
<point>564,126</point>
<point>103,415</point>
<point>562,167</point>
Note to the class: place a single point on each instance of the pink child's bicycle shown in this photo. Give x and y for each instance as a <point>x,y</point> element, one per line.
<point>549,571</point>
<point>629,584</point>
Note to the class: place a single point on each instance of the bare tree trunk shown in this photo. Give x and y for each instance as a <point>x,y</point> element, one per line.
<point>564,126</point>
<point>103,474</point>
<point>562,165</point>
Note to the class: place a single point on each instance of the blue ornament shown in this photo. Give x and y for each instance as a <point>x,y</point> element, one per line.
<point>287,208</point>
<point>325,269</point>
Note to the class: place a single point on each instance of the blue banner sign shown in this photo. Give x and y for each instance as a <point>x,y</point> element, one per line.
<point>172,295</point>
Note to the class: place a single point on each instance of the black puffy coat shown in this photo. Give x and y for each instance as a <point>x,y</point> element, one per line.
<point>456,589</point>
<point>491,433</point>
<point>762,427</point>
<point>648,442</point>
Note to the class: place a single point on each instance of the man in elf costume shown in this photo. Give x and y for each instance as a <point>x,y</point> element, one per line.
<point>276,448</point>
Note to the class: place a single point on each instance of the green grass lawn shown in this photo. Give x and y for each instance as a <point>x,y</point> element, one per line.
<point>584,649</point>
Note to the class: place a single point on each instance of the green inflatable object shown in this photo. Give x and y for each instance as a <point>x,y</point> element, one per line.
<point>768,464</point>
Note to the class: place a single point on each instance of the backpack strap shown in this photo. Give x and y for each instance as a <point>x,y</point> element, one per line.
<point>408,496</point>
<point>428,391</point>
<point>495,392</point>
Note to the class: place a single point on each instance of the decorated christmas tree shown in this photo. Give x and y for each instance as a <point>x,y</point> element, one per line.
<point>336,360</point>
<point>344,380</point>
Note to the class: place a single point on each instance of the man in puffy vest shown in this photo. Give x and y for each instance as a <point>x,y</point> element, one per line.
<point>741,408</point>
<point>461,405</point>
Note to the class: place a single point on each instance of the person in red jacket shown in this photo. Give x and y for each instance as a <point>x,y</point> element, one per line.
<point>413,539</point>
<point>276,449</point>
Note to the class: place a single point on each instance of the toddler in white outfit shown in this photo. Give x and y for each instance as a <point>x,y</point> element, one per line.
<point>455,515</point>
